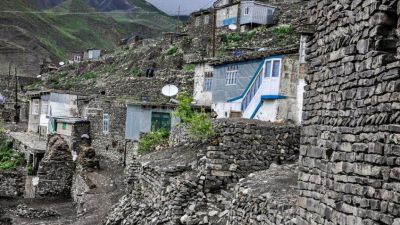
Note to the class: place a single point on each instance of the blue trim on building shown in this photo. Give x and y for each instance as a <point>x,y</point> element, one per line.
<point>254,76</point>
<point>229,21</point>
<point>272,97</point>
<point>256,110</point>
<point>266,97</point>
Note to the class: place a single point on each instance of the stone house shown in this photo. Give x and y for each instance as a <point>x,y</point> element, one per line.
<point>45,107</point>
<point>243,14</point>
<point>143,118</point>
<point>77,57</point>
<point>91,54</point>
<point>117,125</point>
<point>201,22</point>
<point>265,86</point>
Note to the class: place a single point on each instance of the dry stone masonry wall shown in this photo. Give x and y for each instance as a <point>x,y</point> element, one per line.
<point>245,146</point>
<point>349,155</point>
<point>266,197</point>
<point>188,182</point>
<point>12,183</point>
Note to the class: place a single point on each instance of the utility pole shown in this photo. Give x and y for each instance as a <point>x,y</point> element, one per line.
<point>16,106</point>
<point>9,74</point>
<point>177,23</point>
<point>214,28</point>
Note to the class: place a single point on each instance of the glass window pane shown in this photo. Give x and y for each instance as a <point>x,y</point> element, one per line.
<point>268,69</point>
<point>276,68</point>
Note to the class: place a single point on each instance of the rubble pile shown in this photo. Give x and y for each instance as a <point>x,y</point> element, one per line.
<point>189,183</point>
<point>24,211</point>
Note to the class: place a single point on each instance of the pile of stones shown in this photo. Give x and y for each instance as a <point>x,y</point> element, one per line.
<point>24,211</point>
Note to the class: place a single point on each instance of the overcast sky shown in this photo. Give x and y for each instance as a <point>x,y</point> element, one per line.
<point>187,6</point>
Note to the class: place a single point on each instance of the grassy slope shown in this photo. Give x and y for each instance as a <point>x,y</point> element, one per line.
<point>61,34</point>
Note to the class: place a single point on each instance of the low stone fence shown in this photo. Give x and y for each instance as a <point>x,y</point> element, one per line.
<point>266,197</point>
<point>245,146</point>
<point>12,183</point>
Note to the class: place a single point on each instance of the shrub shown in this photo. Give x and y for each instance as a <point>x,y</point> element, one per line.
<point>283,31</point>
<point>172,50</point>
<point>184,111</point>
<point>150,140</point>
<point>9,159</point>
<point>199,124</point>
<point>29,170</point>
<point>189,68</point>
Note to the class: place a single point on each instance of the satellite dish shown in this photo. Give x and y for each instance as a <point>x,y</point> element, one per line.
<point>169,90</point>
<point>61,63</point>
<point>38,76</point>
<point>232,27</point>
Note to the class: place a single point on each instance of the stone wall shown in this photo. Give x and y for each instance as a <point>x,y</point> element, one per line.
<point>111,144</point>
<point>267,197</point>
<point>244,146</point>
<point>12,183</point>
<point>187,183</point>
<point>56,170</point>
<point>349,163</point>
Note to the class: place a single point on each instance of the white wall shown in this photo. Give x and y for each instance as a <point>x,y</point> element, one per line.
<point>223,109</point>
<point>201,97</point>
<point>300,93</point>
<point>268,111</point>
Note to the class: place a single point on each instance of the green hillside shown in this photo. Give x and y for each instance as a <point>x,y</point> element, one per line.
<point>61,34</point>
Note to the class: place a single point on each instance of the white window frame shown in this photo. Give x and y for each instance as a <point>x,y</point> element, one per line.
<point>206,19</point>
<point>208,81</point>
<point>106,123</point>
<point>272,67</point>
<point>35,106</point>
<point>246,10</point>
<point>231,76</point>
<point>45,107</point>
<point>197,21</point>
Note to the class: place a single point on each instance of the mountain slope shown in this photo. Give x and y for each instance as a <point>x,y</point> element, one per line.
<point>53,35</point>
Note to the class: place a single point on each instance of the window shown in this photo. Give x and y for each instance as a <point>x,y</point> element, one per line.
<point>64,126</point>
<point>273,68</point>
<point>246,11</point>
<point>35,107</point>
<point>197,22</point>
<point>106,123</point>
<point>160,121</point>
<point>208,76</point>
<point>231,75</point>
<point>228,12</point>
<point>206,19</point>
<point>45,107</point>
<point>276,68</point>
